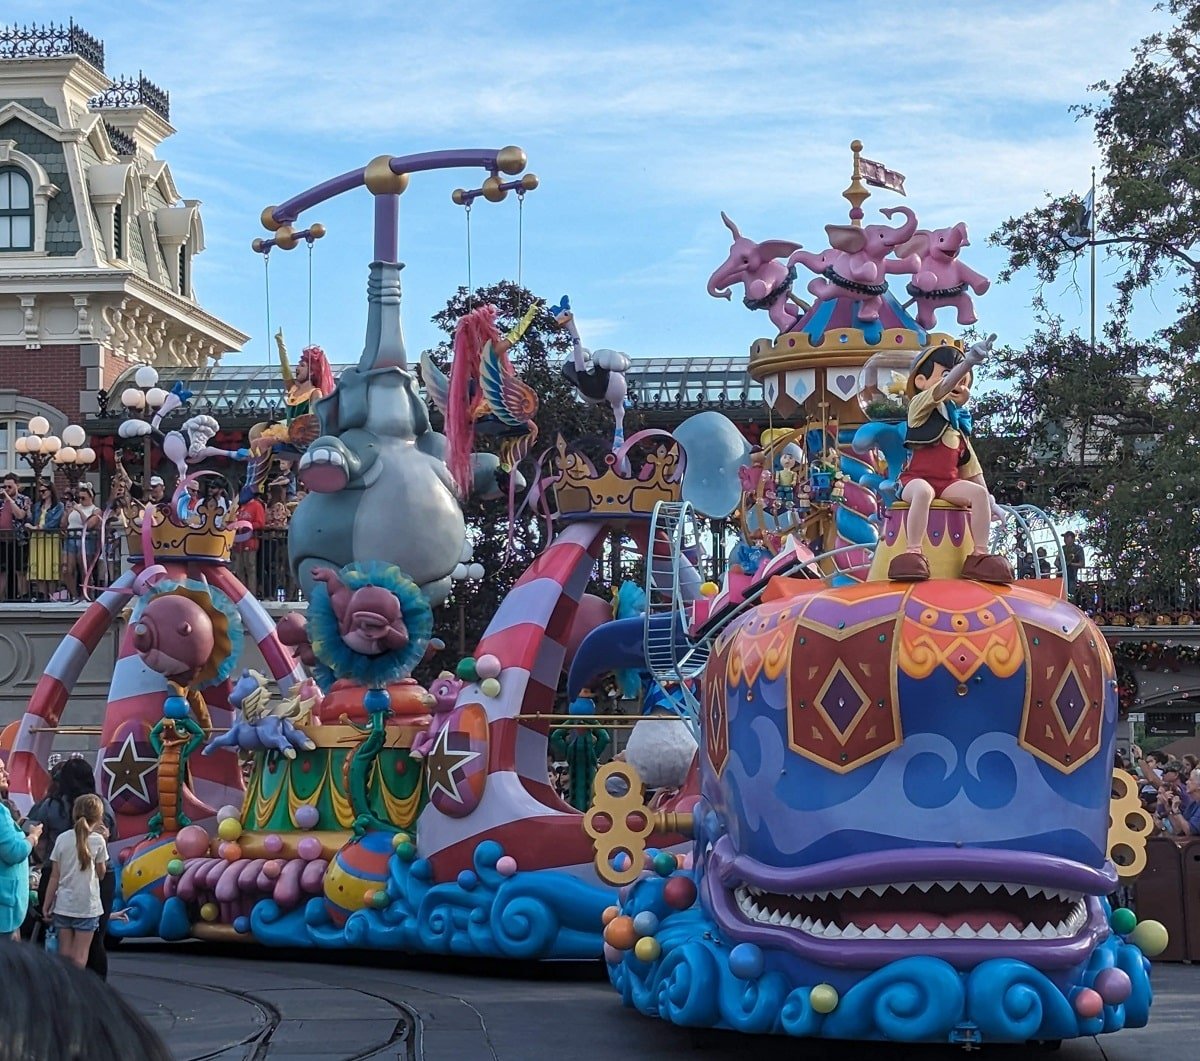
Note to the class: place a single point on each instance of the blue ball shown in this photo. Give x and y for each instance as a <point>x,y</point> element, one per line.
<point>175,707</point>
<point>746,961</point>
<point>645,923</point>
<point>488,853</point>
<point>377,701</point>
<point>241,924</point>
<point>467,880</point>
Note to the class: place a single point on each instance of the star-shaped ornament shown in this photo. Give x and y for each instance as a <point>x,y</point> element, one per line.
<point>443,763</point>
<point>127,771</point>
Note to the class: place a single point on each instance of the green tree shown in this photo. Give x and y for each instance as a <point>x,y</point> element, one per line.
<point>538,358</point>
<point>1107,433</point>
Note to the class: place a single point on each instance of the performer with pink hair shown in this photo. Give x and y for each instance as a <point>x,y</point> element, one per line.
<point>311,381</point>
<point>467,401</point>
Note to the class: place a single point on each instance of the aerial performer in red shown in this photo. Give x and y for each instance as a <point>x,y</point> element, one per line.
<point>311,381</point>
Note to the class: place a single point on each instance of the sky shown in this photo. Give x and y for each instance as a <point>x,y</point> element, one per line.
<point>643,122</point>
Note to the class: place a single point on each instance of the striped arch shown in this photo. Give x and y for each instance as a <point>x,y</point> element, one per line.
<point>528,635</point>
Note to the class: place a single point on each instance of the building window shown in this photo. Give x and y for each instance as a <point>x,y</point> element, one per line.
<point>183,268</point>
<point>10,431</point>
<point>16,210</point>
<point>118,239</point>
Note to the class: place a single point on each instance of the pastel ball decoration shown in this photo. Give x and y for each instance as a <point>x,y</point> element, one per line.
<point>645,923</point>
<point>272,843</point>
<point>306,816</point>
<point>1113,985</point>
<point>175,867</point>
<point>467,880</point>
<point>612,955</point>
<point>490,687</point>
<point>506,865</point>
<point>229,829</point>
<point>1088,1003</point>
<point>191,842</point>
<point>309,848</point>
<point>272,869</point>
<point>466,669</point>
<point>228,811</point>
<point>241,924</point>
<point>232,851</point>
<point>647,949</point>
<point>823,998</point>
<point>406,851</point>
<point>380,899</point>
<point>709,589</point>
<point>610,914</point>
<point>401,838</point>
<point>746,961</point>
<point>1151,936</point>
<point>210,911</point>
<point>1123,921</point>
<point>488,666</point>
<point>665,864</point>
<point>620,933</point>
<point>679,893</point>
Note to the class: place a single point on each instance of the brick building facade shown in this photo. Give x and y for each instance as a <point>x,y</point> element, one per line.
<point>96,242</point>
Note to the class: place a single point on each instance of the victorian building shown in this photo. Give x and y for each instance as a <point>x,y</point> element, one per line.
<point>96,242</point>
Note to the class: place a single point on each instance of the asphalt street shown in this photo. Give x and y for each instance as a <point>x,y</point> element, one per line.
<point>214,1003</point>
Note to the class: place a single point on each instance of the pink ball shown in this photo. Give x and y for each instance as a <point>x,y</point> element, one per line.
<point>273,868</point>
<point>306,816</point>
<point>1088,1003</point>
<point>309,848</point>
<point>487,666</point>
<point>612,955</point>
<point>272,843</point>
<point>1114,986</point>
<point>506,865</point>
<point>191,842</point>
<point>222,847</point>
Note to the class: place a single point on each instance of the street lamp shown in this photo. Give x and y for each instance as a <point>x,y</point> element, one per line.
<point>39,448</point>
<point>73,456</point>
<point>141,402</point>
<point>464,571</point>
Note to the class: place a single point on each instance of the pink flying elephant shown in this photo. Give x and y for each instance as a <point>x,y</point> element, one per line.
<point>857,265</point>
<point>445,692</point>
<point>943,280</point>
<point>767,282</point>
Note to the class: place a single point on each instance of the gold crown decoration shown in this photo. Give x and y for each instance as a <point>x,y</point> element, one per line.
<point>581,492</point>
<point>206,535</point>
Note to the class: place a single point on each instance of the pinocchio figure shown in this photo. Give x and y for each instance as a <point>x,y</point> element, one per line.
<point>943,463</point>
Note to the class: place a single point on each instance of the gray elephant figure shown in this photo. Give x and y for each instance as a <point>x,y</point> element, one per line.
<point>378,486</point>
<point>265,726</point>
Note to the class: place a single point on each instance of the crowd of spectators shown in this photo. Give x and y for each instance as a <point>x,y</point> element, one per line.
<point>1169,789</point>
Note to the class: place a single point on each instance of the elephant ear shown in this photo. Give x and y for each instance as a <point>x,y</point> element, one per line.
<point>778,248</point>
<point>848,238</point>
<point>918,245</point>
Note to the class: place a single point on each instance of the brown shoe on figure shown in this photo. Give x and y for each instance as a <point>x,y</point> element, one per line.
<point>908,567</point>
<point>987,567</point>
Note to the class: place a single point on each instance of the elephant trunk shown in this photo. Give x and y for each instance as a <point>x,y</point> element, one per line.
<point>718,283</point>
<point>906,231</point>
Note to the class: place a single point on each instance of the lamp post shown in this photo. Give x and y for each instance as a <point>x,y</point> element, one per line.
<point>39,448</point>
<point>141,402</point>
<point>73,456</point>
<point>464,572</point>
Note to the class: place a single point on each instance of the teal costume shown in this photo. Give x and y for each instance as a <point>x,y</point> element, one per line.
<point>14,874</point>
<point>581,746</point>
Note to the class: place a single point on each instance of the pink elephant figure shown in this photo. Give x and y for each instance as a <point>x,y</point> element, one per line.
<point>369,618</point>
<point>943,280</point>
<point>856,265</point>
<point>445,692</point>
<point>767,282</point>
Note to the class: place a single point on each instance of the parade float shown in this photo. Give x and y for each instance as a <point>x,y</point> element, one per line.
<point>872,796</point>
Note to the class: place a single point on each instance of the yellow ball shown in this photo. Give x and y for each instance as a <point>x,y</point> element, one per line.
<point>229,829</point>
<point>490,687</point>
<point>400,838</point>
<point>823,998</point>
<point>709,589</point>
<point>647,949</point>
<point>210,911</point>
<point>1151,936</point>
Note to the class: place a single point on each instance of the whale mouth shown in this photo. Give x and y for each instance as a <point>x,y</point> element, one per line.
<point>925,909</point>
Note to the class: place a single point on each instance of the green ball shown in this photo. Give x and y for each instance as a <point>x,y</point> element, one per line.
<point>380,899</point>
<point>175,867</point>
<point>406,851</point>
<point>466,669</point>
<point>1123,921</point>
<point>823,998</point>
<point>665,864</point>
<point>1151,937</point>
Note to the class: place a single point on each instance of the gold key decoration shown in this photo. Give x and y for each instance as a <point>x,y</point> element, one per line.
<point>1128,827</point>
<point>619,822</point>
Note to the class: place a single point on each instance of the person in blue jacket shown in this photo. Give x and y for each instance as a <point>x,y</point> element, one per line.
<point>15,846</point>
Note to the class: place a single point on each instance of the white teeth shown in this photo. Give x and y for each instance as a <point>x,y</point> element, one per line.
<point>896,932</point>
<point>965,931</point>
<point>787,921</point>
<point>988,932</point>
<point>1010,932</point>
<point>851,931</point>
<point>872,932</point>
<point>817,928</point>
<point>806,925</point>
<point>1047,932</point>
<point>832,930</point>
<point>879,889</point>
<point>1012,889</point>
<point>924,885</point>
<point>857,892</point>
<point>775,918</point>
<point>1031,932</point>
<point>919,932</point>
<point>942,932</point>
<point>1061,928</point>
<point>990,887</point>
<point>902,888</point>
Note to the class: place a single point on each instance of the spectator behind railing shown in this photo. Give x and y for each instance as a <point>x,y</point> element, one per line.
<point>81,546</point>
<point>245,548</point>
<point>45,552</point>
<point>14,554</point>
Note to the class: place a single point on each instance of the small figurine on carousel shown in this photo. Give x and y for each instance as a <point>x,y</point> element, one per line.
<point>788,475</point>
<point>943,464</point>
<point>311,381</point>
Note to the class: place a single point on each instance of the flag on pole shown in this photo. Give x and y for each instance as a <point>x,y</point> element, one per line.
<point>1079,232</point>
<point>879,176</point>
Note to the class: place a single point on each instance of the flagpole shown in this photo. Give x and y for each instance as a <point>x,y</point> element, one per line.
<point>1092,239</point>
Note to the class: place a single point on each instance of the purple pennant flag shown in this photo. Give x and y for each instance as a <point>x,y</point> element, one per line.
<point>878,175</point>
